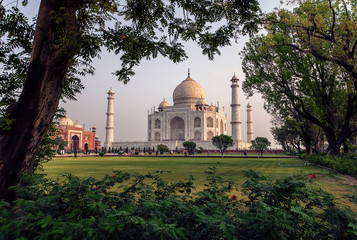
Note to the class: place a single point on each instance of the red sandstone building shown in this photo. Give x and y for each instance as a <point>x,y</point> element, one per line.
<point>75,136</point>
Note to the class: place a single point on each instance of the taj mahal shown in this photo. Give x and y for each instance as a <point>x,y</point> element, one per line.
<point>190,118</point>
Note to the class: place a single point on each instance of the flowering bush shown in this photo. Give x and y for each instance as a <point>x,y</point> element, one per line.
<point>311,176</point>
<point>133,206</point>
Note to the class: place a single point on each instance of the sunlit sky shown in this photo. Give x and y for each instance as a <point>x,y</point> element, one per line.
<point>155,80</point>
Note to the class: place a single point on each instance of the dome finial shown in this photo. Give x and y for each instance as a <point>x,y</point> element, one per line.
<point>188,72</point>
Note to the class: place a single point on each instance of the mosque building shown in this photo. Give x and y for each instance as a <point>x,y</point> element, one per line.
<point>190,118</point>
<point>75,135</point>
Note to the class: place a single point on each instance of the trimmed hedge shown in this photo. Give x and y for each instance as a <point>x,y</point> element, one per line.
<point>344,163</point>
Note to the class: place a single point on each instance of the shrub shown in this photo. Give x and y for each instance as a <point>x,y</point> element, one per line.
<point>75,151</point>
<point>189,146</point>
<point>150,152</point>
<point>162,148</point>
<point>345,163</point>
<point>136,153</point>
<point>132,206</point>
<point>200,150</point>
<point>101,154</point>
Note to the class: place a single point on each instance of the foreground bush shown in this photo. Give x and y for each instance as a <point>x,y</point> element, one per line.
<point>124,206</point>
<point>344,163</point>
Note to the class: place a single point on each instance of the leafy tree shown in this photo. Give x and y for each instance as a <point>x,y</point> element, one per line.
<point>46,151</point>
<point>293,83</point>
<point>162,148</point>
<point>43,60</point>
<point>260,144</point>
<point>326,29</point>
<point>288,138</point>
<point>59,143</point>
<point>293,131</point>
<point>222,142</point>
<point>189,146</point>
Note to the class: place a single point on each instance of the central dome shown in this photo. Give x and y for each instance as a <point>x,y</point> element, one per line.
<point>188,92</point>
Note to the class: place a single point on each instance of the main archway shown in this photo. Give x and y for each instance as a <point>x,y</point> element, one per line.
<point>177,129</point>
<point>75,142</point>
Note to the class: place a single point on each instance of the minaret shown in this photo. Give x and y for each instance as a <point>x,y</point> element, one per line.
<point>109,135</point>
<point>236,123</point>
<point>249,123</point>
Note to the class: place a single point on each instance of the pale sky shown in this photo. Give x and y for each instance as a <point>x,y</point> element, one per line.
<point>155,80</point>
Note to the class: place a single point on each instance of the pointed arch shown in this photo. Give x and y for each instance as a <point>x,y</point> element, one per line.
<point>209,135</point>
<point>177,129</point>
<point>157,136</point>
<point>197,122</point>
<point>157,124</point>
<point>75,142</point>
<point>209,122</point>
<point>197,135</point>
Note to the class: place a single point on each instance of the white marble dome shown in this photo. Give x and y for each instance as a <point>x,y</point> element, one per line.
<point>65,121</point>
<point>188,92</point>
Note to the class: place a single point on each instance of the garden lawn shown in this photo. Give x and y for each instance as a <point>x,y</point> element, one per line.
<point>181,168</point>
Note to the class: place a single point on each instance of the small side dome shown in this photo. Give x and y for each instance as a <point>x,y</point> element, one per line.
<point>201,102</point>
<point>163,104</point>
<point>77,125</point>
<point>65,121</point>
<point>212,108</point>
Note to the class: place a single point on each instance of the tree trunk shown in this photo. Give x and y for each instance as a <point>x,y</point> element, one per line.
<point>38,102</point>
<point>345,146</point>
<point>308,147</point>
<point>307,135</point>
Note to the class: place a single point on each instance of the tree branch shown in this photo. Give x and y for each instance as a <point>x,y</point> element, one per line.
<point>332,30</point>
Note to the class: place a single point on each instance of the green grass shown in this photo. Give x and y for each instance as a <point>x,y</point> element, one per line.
<point>181,168</point>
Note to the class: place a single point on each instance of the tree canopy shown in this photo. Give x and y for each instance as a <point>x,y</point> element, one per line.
<point>326,29</point>
<point>222,142</point>
<point>162,148</point>
<point>294,82</point>
<point>189,146</point>
<point>260,144</point>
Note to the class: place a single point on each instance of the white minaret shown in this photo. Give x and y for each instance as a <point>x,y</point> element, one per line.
<point>236,123</point>
<point>109,135</point>
<point>249,123</point>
